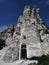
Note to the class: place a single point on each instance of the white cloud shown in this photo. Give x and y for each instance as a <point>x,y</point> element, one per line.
<point>3,27</point>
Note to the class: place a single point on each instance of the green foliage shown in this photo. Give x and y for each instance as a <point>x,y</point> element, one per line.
<point>2,43</point>
<point>42,60</point>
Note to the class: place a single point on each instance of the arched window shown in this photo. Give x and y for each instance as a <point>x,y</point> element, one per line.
<point>23,46</point>
<point>23,51</point>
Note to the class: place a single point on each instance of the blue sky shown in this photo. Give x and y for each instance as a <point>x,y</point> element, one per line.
<point>10,10</point>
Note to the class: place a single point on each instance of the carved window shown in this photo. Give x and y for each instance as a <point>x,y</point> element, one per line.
<point>23,46</point>
<point>23,51</point>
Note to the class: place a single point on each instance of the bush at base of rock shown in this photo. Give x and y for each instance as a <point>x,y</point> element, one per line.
<point>43,60</point>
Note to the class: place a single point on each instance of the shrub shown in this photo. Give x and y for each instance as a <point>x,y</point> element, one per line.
<point>42,60</point>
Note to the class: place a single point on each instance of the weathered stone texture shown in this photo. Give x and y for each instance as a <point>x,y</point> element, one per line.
<point>32,31</point>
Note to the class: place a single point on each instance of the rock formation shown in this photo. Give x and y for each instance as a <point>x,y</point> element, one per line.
<point>29,39</point>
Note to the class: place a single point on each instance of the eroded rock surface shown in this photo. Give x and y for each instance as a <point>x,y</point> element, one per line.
<point>31,31</point>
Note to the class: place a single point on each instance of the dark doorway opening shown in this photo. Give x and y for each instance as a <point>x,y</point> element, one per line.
<point>23,51</point>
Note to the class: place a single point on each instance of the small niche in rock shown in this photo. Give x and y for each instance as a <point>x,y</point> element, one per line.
<point>20,22</point>
<point>24,37</point>
<point>33,23</point>
<point>18,33</point>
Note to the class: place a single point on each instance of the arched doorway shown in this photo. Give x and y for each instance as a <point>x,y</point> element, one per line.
<point>23,51</point>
